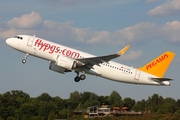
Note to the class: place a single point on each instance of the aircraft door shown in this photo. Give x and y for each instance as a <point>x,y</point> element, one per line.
<point>30,47</point>
<point>137,75</point>
<point>30,41</point>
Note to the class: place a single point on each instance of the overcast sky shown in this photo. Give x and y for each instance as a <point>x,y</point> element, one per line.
<point>99,27</point>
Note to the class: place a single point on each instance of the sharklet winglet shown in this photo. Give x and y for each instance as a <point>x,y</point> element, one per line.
<point>121,52</point>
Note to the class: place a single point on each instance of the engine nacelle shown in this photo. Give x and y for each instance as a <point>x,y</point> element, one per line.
<point>65,62</point>
<point>56,68</point>
<point>166,83</point>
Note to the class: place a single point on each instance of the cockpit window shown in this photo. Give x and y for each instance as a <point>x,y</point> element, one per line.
<point>18,37</point>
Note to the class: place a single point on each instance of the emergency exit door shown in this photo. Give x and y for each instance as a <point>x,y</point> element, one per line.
<point>30,41</point>
<point>137,75</point>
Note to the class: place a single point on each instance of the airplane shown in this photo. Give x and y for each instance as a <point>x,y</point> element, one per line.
<point>64,59</point>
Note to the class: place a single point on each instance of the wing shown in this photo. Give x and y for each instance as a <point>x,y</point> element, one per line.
<point>101,59</point>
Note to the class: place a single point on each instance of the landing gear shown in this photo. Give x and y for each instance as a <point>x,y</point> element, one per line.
<point>78,78</point>
<point>82,77</point>
<point>24,60</point>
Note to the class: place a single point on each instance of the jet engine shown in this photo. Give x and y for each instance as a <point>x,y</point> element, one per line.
<point>65,62</point>
<point>62,64</point>
<point>56,68</point>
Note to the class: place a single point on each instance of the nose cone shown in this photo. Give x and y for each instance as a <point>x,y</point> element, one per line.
<point>9,41</point>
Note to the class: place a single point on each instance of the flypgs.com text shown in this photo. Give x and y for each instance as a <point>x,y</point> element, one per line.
<point>55,49</point>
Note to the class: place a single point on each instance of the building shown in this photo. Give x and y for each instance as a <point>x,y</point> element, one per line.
<point>98,111</point>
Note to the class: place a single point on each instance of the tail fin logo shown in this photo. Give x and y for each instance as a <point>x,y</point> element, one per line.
<point>159,65</point>
<point>157,61</point>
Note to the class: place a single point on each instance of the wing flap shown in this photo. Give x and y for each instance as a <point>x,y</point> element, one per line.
<point>101,59</point>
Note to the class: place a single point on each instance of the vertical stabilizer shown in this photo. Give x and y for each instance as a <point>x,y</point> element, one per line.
<point>159,65</point>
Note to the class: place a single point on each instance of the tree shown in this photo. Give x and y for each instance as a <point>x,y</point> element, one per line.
<point>10,101</point>
<point>46,108</point>
<point>103,100</point>
<point>75,96</point>
<point>59,103</point>
<point>74,100</point>
<point>139,106</point>
<point>11,118</point>
<point>37,118</point>
<point>29,110</point>
<point>115,99</point>
<point>154,102</point>
<point>44,97</point>
<point>169,105</point>
<point>178,105</point>
<point>19,104</point>
<point>52,116</point>
<point>85,97</point>
<point>128,102</point>
<point>63,114</point>
<point>94,99</point>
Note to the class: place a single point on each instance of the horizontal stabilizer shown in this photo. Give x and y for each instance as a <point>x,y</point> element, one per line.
<point>161,79</point>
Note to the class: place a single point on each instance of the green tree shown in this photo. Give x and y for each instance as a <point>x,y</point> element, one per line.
<point>75,96</point>
<point>10,101</point>
<point>140,106</point>
<point>52,116</point>
<point>177,104</point>
<point>44,97</point>
<point>128,102</point>
<point>37,118</point>
<point>115,99</point>
<point>11,118</point>
<point>85,97</point>
<point>103,100</point>
<point>154,102</point>
<point>74,100</point>
<point>63,114</point>
<point>29,110</point>
<point>94,99</point>
<point>59,103</point>
<point>46,108</point>
<point>169,105</point>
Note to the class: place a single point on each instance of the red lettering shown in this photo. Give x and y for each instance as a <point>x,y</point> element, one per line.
<point>148,66</point>
<point>160,59</point>
<point>166,56</point>
<point>38,42</point>
<point>75,55</point>
<point>47,46</point>
<point>153,63</point>
<point>64,51</point>
<point>52,49</point>
<point>68,53</point>
<point>42,45</point>
<point>157,61</point>
<point>57,50</point>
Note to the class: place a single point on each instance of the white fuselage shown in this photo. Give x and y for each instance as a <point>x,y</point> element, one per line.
<point>113,71</point>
